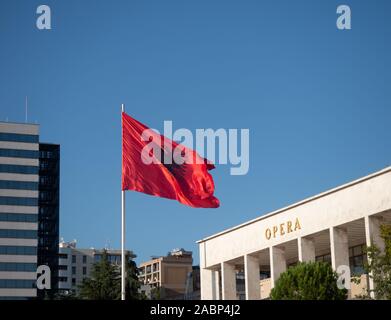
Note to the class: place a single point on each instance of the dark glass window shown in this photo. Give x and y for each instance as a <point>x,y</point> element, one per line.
<point>18,201</point>
<point>13,168</point>
<point>84,259</point>
<point>63,256</point>
<point>84,270</point>
<point>73,270</point>
<point>18,185</point>
<point>23,234</point>
<point>11,153</point>
<point>11,283</point>
<point>357,259</point>
<point>18,217</point>
<point>18,250</point>
<point>13,266</point>
<point>324,258</point>
<point>17,137</point>
<point>73,281</point>
<point>73,259</point>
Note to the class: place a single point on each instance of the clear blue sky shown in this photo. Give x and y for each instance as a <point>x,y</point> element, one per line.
<point>316,101</point>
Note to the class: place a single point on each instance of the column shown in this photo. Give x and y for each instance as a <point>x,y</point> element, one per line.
<point>209,284</point>
<point>277,263</point>
<point>372,235</point>
<point>251,273</point>
<point>209,278</point>
<point>340,251</point>
<point>306,248</point>
<point>228,281</point>
<point>339,247</point>
<point>216,287</point>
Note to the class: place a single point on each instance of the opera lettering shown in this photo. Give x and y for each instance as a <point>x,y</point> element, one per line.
<point>282,229</point>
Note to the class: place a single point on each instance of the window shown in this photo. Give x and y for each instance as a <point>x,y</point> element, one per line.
<point>18,250</point>
<point>62,279</point>
<point>29,154</point>
<point>63,256</point>
<point>18,217</point>
<point>73,258</point>
<point>73,281</point>
<point>16,266</point>
<point>17,137</point>
<point>18,201</point>
<point>73,270</point>
<point>12,168</point>
<point>84,270</point>
<point>84,259</point>
<point>19,234</point>
<point>324,258</point>
<point>18,185</point>
<point>357,259</point>
<point>62,267</point>
<point>11,283</point>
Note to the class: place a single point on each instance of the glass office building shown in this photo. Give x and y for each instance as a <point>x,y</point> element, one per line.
<point>48,217</point>
<point>19,196</point>
<point>29,210</point>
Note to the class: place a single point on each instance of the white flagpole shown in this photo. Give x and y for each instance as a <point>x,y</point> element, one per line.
<point>123,271</point>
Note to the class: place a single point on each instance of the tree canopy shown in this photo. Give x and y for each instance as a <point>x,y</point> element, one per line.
<point>308,281</point>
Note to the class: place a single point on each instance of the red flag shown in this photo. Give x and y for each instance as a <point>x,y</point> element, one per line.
<point>189,183</point>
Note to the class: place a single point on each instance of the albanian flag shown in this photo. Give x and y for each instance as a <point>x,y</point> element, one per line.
<point>156,165</point>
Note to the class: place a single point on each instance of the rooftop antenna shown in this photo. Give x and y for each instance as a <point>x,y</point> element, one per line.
<point>26,105</point>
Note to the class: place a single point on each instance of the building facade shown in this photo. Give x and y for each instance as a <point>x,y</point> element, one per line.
<point>76,264</point>
<point>49,211</point>
<point>170,276</point>
<point>334,226</point>
<point>19,194</point>
<point>29,209</point>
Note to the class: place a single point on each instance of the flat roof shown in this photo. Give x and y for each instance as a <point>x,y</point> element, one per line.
<point>299,203</point>
<point>21,123</point>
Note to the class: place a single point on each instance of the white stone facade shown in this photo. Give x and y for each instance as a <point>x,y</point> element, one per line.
<point>330,224</point>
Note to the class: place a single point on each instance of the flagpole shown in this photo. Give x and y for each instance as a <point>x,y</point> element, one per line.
<point>123,271</point>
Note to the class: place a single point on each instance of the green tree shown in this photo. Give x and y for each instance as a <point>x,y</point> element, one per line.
<point>379,266</point>
<point>308,281</point>
<point>103,283</point>
<point>132,282</point>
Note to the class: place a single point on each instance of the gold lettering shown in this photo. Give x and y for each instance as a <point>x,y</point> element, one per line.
<point>275,229</point>
<point>282,232</point>
<point>282,228</point>
<point>289,226</point>
<point>297,224</point>
<point>268,234</point>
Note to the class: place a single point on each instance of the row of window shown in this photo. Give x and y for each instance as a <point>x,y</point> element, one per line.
<point>65,279</point>
<point>12,283</point>
<point>74,270</point>
<point>48,155</point>
<point>12,153</point>
<point>19,234</point>
<point>112,258</point>
<point>18,185</point>
<point>18,217</point>
<point>18,250</point>
<point>17,137</point>
<point>18,201</point>
<point>14,266</point>
<point>13,168</point>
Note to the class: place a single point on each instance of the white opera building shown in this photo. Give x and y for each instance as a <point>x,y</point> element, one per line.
<point>244,262</point>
